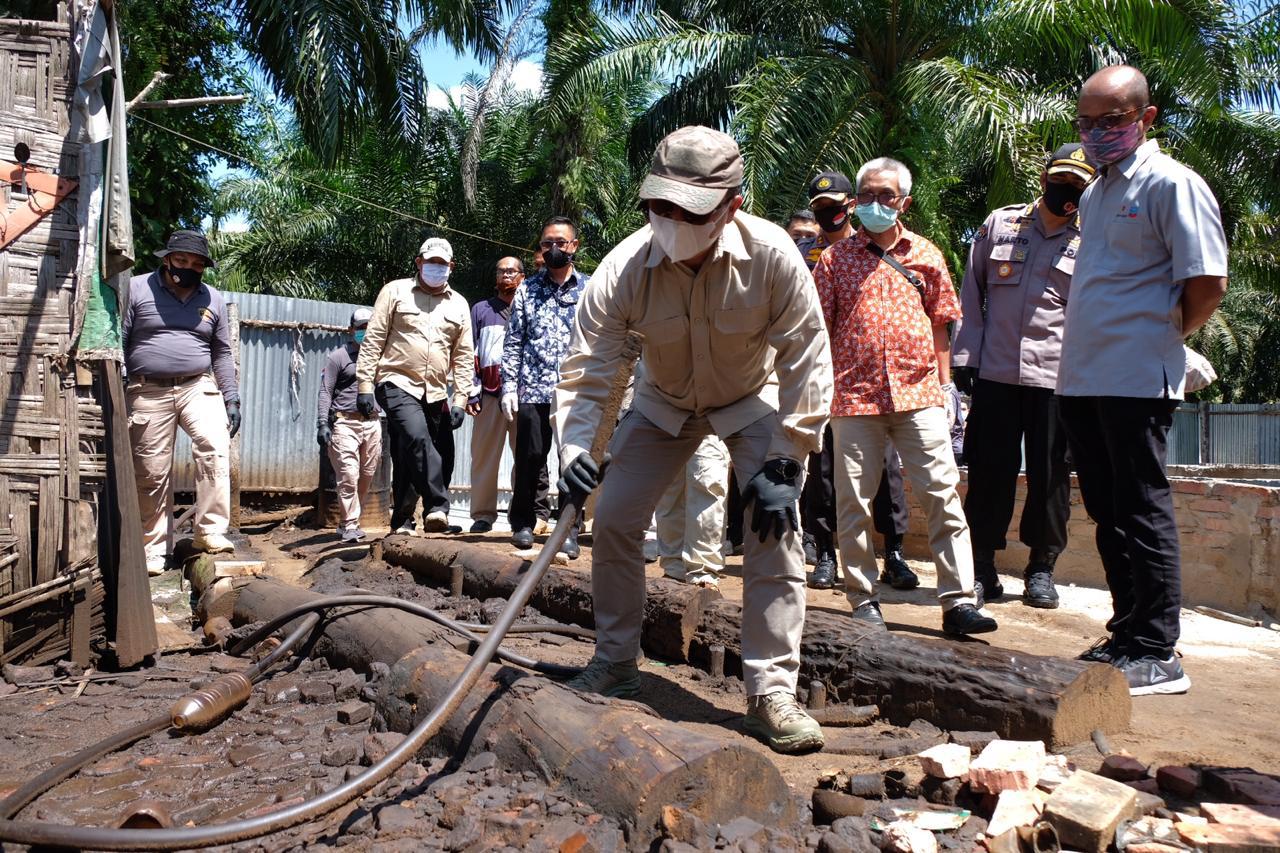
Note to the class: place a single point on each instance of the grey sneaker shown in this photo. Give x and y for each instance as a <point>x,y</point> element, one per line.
<point>351,534</point>
<point>779,721</point>
<point>620,680</point>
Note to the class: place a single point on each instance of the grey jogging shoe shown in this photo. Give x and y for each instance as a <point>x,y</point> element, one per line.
<point>620,680</point>
<point>779,721</point>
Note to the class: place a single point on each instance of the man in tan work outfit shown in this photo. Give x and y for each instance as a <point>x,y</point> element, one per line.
<point>180,373</point>
<point>734,346</point>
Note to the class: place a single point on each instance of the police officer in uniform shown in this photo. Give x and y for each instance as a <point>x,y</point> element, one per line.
<point>1005,355</point>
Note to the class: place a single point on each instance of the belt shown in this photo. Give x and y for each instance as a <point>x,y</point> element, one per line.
<point>355,416</point>
<point>171,381</point>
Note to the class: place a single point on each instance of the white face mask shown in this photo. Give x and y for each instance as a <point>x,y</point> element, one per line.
<point>681,240</point>
<point>434,276</point>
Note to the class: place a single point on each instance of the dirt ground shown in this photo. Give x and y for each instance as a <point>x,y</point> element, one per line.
<point>1227,718</point>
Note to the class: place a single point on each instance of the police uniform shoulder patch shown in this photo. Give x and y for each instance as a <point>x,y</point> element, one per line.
<point>983,231</point>
<point>206,314</point>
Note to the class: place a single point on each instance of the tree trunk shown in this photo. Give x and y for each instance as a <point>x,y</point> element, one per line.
<point>615,755</point>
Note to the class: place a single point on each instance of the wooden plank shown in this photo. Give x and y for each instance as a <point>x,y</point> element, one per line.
<point>20,506</point>
<point>81,626</point>
<point>70,453</point>
<point>49,531</point>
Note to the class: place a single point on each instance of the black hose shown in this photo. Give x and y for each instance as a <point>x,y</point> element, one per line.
<point>22,797</point>
<point>533,628</point>
<point>363,599</point>
<point>34,833</point>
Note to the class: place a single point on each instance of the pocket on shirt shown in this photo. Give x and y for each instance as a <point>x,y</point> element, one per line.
<point>742,321</point>
<point>664,339</point>
<point>1002,268</point>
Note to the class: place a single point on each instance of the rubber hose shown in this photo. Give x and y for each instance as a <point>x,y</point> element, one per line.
<point>22,797</point>
<point>554,628</point>
<point>363,599</point>
<point>96,838</point>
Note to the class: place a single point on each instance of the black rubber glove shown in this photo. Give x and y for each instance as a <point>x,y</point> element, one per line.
<point>324,433</point>
<point>580,478</point>
<point>233,418</point>
<point>456,416</point>
<point>366,405</point>
<point>964,377</point>
<point>775,490</point>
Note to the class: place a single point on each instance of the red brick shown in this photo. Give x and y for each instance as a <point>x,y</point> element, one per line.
<point>1190,487</point>
<point>1269,512</point>
<point>1213,522</point>
<point>1209,505</point>
<point>1239,490</point>
<point>1241,815</point>
<point>1122,768</point>
<point>1179,781</point>
<point>1225,838</point>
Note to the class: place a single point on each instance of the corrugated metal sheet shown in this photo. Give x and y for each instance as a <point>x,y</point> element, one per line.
<point>1244,434</point>
<point>1184,437</point>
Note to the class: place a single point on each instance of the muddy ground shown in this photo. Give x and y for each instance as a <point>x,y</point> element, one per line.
<point>309,728</point>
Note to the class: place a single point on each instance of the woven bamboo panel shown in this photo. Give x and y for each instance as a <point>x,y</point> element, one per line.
<point>52,464</point>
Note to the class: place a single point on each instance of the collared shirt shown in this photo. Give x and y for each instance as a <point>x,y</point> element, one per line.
<point>538,335</point>
<point>165,337</point>
<point>1024,272</point>
<point>737,340</point>
<point>338,381</point>
<point>1148,224</point>
<point>812,248</point>
<point>489,319</point>
<point>881,327</point>
<point>419,342</point>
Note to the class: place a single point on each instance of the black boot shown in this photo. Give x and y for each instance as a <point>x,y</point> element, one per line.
<point>1038,577</point>
<point>824,571</point>
<point>984,572</point>
<point>810,548</point>
<point>896,572</point>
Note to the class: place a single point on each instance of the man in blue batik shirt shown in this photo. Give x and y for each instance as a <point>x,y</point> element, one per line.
<point>537,341</point>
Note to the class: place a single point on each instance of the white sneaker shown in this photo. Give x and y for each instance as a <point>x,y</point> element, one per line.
<point>435,522</point>
<point>407,529</point>
<point>156,565</point>
<point>212,543</point>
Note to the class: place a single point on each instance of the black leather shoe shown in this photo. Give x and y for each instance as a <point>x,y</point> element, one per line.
<point>824,572</point>
<point>570,547</point>
<point>810,549</point>
<point>523,538</point>
<point>984,572</point>
<point>481,526</point>
<point>870,614</point>
<point>897,573</point>
<point>965,619</point>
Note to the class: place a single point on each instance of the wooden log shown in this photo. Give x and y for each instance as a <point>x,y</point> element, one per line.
<point>612,754</point>
<point>954,685</point>
<point>672,610</point>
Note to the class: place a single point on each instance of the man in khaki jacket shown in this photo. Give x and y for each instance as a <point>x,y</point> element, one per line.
<point>734,346</point>
<point>418,340</point>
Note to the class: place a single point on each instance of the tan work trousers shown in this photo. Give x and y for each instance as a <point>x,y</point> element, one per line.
<point>354,451</point>
<point>645,461</point>
<point>155,413</point>
<point>924,445</point>
<point>690,516</point>
<point>489,430</point>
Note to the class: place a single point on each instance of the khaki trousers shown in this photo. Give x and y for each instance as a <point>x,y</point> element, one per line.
<point>645,461</point>
<point>155,413</point>
<point>489,430</point>
<point>690,516</point>
<point>923,440</point>
<point>354,451</point>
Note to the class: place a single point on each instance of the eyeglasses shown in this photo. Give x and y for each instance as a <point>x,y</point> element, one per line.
<point>665,209</point>
<point>1110,121</point>
<point>506,271</point>
<point>882,198</point>
<point>557,244</point>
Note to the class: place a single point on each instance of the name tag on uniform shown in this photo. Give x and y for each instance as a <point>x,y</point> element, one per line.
<point>1065,263</point>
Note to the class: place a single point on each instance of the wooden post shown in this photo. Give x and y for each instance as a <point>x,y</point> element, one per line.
<point>233,331</point>
<point>1205,446</point>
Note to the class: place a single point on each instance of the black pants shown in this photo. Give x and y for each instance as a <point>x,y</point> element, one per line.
<point>1001,419</point>
<point>418,431</point>
<point>1119,446</point>
<point>529,470</point>
<point>818,499</point>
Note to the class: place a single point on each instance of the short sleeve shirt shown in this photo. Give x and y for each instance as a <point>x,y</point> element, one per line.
<point>1148,223</point>
<point>881,327</point>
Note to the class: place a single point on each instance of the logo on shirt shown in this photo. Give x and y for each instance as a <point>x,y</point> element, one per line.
<point>1004,270</point>
<point>1130,211</point>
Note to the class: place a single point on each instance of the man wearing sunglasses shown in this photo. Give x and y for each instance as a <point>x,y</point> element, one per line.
<point>1152,269</point>
<point>1005,355</point>
<point>734,345</point>
<point>536,342</point>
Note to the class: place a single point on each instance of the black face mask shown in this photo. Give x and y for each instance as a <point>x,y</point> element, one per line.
<point>184,278</point>
<point>556,258</point>
<point>832,219</point>
<point>1057,197</point>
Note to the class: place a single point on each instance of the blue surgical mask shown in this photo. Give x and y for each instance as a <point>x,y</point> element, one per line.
<point>876,217</point>
<point>359,336</point>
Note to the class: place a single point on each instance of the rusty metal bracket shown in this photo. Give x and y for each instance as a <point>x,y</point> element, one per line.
<point>44,193</point>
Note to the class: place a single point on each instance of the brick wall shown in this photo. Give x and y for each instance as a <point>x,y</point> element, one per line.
<point>1229,530</point>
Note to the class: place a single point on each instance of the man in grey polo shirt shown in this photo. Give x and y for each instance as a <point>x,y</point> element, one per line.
<point>178,357</point>
<point>1152,269</point>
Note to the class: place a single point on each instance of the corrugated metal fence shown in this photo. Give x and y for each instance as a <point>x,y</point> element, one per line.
<point>1225,434</point>
<point>278,450</point>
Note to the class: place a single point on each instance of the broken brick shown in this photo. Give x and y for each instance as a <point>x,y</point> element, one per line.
<point>683,826</point>
<point>1234,813</point>
<point>1014,809</point>
<point>1007,765</point>
<point>378,744</point>
<point>318,692</point>
<point>1122,768</point>
<point>1241,786</point>
<point>354,711</point>
<point>1179,781</point>
<point>945,761</point>
<point>976,741</point>
<point>1229,838</point>
<point>1087,808</point>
